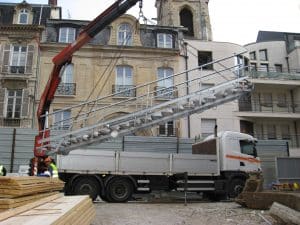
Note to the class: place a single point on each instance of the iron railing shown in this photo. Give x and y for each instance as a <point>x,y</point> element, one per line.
<point>272,73</point>
<point>124,90</point>
<point>66,89</point>
<point>167,131</point>
<point>257,105</point>
<point>165,92</point>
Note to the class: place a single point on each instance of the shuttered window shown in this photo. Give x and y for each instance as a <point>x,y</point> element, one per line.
<point>207,127</point>
<point>17,59</point>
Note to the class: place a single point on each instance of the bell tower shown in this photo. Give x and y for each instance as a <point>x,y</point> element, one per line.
<point>191,14</point>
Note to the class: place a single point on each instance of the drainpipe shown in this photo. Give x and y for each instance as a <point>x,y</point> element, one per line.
<point>187,85</point>
<point>287,63</point>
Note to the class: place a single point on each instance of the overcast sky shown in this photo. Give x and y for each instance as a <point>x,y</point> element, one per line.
<point>236,21</point>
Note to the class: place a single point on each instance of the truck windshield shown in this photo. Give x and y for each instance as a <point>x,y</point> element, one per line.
<point>248,147</point>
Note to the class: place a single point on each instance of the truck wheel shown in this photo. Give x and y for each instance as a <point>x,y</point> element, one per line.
<point>119,190</point>
<point>236,187</point>
<point>86,186</point>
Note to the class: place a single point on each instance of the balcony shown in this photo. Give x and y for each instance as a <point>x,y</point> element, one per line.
<point>165,92</point>
<point>260,73</point>
<point>293,140</point>
<point>17,69</point>
<point>124,91</point>
<point>256,105</point>
<point>16,122</point>
<point>66,89</point>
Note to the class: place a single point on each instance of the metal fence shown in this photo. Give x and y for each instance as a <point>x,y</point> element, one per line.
<point>288,169</point>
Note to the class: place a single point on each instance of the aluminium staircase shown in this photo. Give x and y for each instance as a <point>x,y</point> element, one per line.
<point>147,106</point>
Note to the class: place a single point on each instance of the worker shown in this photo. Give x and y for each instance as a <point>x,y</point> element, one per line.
<point>49,162</point>
<point>2,171</point>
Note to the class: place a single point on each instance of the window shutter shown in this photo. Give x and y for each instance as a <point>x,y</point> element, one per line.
<point>5,61</point>
<point>2,101</point>
<point>29,60</point>
<point>25,103</point>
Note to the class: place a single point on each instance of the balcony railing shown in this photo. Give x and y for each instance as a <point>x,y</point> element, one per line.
<point>272,73</point>
<point>66,89</point>
<point>125,90</point>
<point>17,69</point>
<point>293,140</point>
<point>256,105</point>
<point>165,92</point>
<point>167,131</point>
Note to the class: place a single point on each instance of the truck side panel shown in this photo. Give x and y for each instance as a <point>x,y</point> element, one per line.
<point>195,164</point>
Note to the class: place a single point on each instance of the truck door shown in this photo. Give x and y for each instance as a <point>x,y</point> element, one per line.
<point>248,159</point>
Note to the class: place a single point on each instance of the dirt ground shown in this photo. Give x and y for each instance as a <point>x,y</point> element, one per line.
<point>201,213</point>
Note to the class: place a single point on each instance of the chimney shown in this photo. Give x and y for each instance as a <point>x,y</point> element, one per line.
<point>52,2</point>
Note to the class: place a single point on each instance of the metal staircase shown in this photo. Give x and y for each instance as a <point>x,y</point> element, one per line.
<point>105,117</point>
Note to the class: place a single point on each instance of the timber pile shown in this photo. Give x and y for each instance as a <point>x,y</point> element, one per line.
<point>35,200</point>
<point>12,187</point>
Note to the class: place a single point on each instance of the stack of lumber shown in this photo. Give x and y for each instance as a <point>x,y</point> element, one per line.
<point>35,200</point>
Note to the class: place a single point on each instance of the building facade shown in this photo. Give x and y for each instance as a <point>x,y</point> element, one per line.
<point>21,29</point>
<point>272,109</point>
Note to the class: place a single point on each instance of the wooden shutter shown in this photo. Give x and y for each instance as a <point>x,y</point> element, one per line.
<point>29,60</point>
<point>5,59</point>
<point>25,103</point>
<point>2,101</point>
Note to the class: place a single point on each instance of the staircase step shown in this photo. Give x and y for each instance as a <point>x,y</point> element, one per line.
<point>156,116</point>
<point>167,112</point>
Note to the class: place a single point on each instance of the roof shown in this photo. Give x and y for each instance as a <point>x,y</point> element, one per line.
<point>41,13</point>
<point>263,36</point>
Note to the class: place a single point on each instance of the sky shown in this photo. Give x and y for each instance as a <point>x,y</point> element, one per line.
<point>236,21</point>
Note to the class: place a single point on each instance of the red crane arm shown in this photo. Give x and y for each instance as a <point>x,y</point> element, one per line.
<point>65,56</point>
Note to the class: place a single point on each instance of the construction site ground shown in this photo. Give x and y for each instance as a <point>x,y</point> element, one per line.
<point>172,211</point>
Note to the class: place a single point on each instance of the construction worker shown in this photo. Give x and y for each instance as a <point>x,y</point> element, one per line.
<point>49,162</point>
<point>2,171</point>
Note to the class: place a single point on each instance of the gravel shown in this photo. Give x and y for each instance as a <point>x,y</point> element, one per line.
<point>203,213</point>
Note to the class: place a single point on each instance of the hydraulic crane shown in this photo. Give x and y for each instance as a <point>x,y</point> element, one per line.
<point>65,57</point>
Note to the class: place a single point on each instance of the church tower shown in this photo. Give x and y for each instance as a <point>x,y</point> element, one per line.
<point>192,14</point>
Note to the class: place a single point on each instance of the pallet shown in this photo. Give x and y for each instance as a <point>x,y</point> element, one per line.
<point>77,210</point>
<point>12,187</point>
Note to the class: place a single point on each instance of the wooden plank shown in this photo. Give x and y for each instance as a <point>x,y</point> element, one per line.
<point>8,203</point>
<point>64,210</point>
<point>13,212</point>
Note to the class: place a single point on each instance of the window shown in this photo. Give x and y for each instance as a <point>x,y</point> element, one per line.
<point>17,59</point>
<point>271,131</point>
<point>23,16</point>
<point>252,55</point>
<point>207,127</point>
<point>167,129</point>
<point>186,20</point>
<point>67,85</point>
<point>285,132</point>
<point>248,148</point>
<point>124,81</point>
<point>125,34</point>
<point>67,35</point>
<point>13,104</point>
<point>204,58</point>
<point>263,56</point>
<point>264,67</point>
<point>278,68</point>
<point>253,66</point>
<point>267,100</point>
<point>281,100</point>
<point>165,87</point>
<point>164,40</point>
<point>62,120</point>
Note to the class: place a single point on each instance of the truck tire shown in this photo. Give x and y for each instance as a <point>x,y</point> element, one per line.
<point>236,186</point>
<point>119,190</point>
<point>86,186</point>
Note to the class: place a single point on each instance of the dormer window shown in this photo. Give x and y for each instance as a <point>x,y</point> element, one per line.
<point>125,34</point>
<point>67,35</point>
<point>23,16</point>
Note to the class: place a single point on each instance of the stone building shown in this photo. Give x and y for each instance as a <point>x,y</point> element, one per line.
<point>21,27</point>
<point>124,55</point>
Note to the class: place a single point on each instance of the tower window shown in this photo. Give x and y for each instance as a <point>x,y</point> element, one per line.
<point>186,20</point>
<point>205,57</point>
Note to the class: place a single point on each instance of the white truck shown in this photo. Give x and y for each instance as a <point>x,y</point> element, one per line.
<point>218,167</point>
